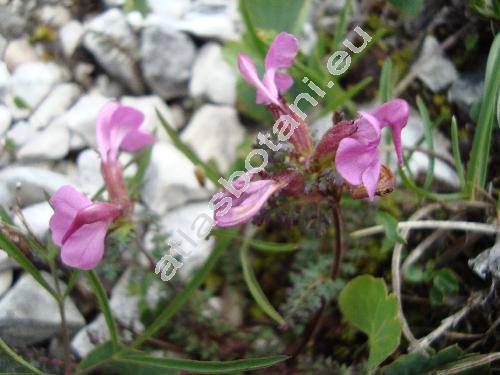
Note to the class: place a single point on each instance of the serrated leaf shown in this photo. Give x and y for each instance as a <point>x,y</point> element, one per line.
<point>365,303</point>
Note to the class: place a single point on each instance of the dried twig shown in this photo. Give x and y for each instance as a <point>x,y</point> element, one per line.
<point>468,364</point>
<point>422,247</point>
<point>431,224</point>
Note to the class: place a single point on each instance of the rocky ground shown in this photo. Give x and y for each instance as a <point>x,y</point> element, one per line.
<point>62,60</point>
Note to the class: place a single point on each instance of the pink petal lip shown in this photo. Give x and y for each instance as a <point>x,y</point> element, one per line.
<point>118,127</point>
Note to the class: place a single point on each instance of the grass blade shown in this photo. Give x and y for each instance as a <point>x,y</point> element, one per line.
<point>179,300</point>
<point>429,140</point>
<point>203,367</point>
<point>254,287</point>
<point>478,161</point>
<point>25,263</point>
<point>18,359</point>
<point>456,153</point>
<point>265,246</point>
<point>210,172</point>
<point>385,85</point>
<point>102,298</point>
<point>425,193</point>
<point>340,30</point>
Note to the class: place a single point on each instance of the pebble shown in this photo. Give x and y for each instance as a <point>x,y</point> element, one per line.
<point>71,36</point>
<point>18,52</point>
<point>212,76</point>
<point>215,132</point>
<point>51,143</point>
<point>29,314</point>
<point>112,42</point>
<point>5,119</point>
<point>167,57</point>
<point>37,217</point>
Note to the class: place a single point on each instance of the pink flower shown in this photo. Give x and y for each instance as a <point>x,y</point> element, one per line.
<point>118,128</point>
<point>357,158</point>
<point>79,227</point>
<point>281,54</point>
<point>244,208</point>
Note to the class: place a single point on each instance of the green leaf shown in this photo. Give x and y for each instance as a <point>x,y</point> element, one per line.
<point>210,172</point>
<point>21,103</point>
<point>385,85</point>
<point>456,153</point>
<point>410,7</point>
<point>96,357</point>
<point>18,359</point>
<point>429,140</point>
<point>446,281</point>
<point>254,287</point>
<point>265,246</point>
<point>277,15</point>
<point>364,302</point>
<point>341,28</point>
<point>478,161</point>
<point>102,298</point>
<point>180,299</point>
<point>140,6</point>
<point>390,225</point>
<point>5,217</point>
<point>25,263</point>
<point>418,363</point>
<point>202,367</point>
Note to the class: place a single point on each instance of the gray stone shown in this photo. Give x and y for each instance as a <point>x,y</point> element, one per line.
<point>55,104</point>
<point>109,87</point>
<point>29,314</point>
<point>182,223</point>
<point>53,15</point>
<point>82,116</point>
<point>19,52</point>
<point>488,262</point>
<point>52,143</point>
<point>215,133</point>
<point>109,38</point>
<point>5,119</point>
<point>12,25</point>
<point>6,277</point>
<point>467,90</point>
<point>37,217</point>
<point>167,57</point>
<point>213,78</point>
<point>21,133</point>
<point>33,81</point>
<point>148,105</point>
<point>169,180</point>
<point>71,36</point>
<point>433,68</point>
<point>33,182</point>
<point>89,171</point>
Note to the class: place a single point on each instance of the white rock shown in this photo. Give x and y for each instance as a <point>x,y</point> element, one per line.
<point>21,133</point>
<point>71,35</point>
<point>4,79</point>
<point>53,15</point>
<point>169,180</point>
<point>215,133</point>
<point>37,217</point>
<point>109,87</point>
<point>89,171</point>
<point>433,68</point>
<point>55,104</point>
<point>125,309</point>
<point>173,9</point>
<point>6,277</point>
<point>33,181</point>
<point>105,31</point>
<point>467,90</point>
<point>213,78</point>
<point>33,81</point>
<point>5,119</point>
<point>82,116</point>
<point>29,314</point>
<point>51,143</point>
<point>148,105</point>
<point>183,225</point>
<point>19,52</point>
<point>167,57</point>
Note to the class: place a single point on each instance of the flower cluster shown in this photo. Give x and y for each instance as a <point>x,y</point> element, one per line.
<point>79,225</point>
<point>349,148</point>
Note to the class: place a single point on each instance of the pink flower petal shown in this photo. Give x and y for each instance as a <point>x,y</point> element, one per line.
<point>103,128</point>
<point>394,114</point>
<point>85,248</point>
<point>282,52</point>
<point>353,158</point>
<point>249,73</point>
<point>136,140</point>
<point>283,82</point>
<point>67,201</point>
<point>248,205</point>
<point>369,129</point>
<point>370,178</point>
<point>124,121</point>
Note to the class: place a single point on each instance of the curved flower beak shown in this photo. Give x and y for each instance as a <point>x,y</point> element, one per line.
<point>244,208</point>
